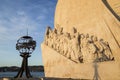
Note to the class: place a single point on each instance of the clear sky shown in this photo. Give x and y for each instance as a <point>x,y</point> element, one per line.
<point>15,17</point>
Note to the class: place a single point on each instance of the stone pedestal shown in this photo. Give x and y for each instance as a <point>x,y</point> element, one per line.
<point>58,66</point>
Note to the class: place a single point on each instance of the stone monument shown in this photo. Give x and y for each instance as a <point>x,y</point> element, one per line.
<point>85,41</point>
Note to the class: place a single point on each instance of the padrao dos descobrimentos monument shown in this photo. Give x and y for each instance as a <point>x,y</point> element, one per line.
<point>85,41</point>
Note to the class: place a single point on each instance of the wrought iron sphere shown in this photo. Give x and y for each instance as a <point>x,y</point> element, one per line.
<point>25,44</point>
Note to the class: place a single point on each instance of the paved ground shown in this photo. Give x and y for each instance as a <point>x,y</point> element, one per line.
<point>40,79</point>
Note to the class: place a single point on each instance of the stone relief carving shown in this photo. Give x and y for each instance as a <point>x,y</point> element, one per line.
<point>80,48</point>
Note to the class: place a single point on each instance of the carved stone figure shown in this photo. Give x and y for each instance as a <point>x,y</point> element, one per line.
<point>48,31</point>
<point>99,49</point>
<point>59,29</point>
<point>87,49</point>
<point>75,47</point>
<point>66,43</point>
<point>54,36</point>
<point>107,50</point>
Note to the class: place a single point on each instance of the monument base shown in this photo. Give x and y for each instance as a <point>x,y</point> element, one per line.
<point>45,78</point>
<point>56,65</point>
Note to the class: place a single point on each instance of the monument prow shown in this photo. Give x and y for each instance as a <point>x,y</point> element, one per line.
<point>85,41</point>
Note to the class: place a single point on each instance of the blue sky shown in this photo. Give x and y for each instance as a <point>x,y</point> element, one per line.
<point>15,17</point>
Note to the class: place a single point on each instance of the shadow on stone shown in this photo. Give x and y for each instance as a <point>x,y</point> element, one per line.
<point>96,74</point>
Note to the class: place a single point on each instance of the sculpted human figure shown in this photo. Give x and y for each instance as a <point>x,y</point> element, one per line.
<point>59,29</point>
<point>91,48</point>
<point>99,50</point>
<point>66,40</point>
<point>88,37</point>
<point>58,44</point>
<point>107,50</point>
<point>82,37</point>
<point>87,48</point>
<point>47,35</point>
<point>61,41</point>
<point>47,30</point>
<point>54,37</point>
<point>61,46</point>
<point>75,47</point>
<point>50,40</point>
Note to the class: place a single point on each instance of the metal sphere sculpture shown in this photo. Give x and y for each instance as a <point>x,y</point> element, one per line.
<point>25,45</point>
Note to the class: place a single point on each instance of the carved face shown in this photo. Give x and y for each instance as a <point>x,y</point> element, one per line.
<point>73,30</point>
<point>82,36</point>
<point>87,35</point>
<point>95,38</point>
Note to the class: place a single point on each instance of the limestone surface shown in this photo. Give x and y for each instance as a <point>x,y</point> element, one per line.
<point>85,41</point>
<point>58,66</point>
<point>90,17</point>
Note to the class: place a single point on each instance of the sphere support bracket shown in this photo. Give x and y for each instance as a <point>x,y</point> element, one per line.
<point>24,67</point>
